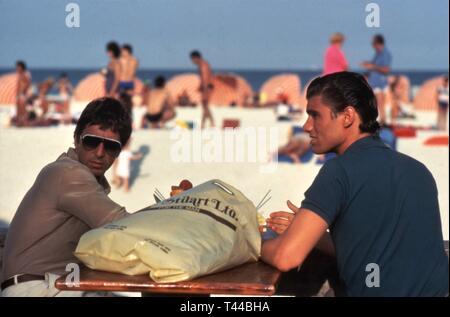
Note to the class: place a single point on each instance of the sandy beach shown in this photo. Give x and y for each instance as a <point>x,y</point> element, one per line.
<point>25,151</point>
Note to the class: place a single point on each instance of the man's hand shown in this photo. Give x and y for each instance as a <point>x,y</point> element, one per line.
<point>279,221</point>
<point>367,65</point>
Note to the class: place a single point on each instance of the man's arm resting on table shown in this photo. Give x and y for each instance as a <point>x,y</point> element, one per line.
<point>291,248</point>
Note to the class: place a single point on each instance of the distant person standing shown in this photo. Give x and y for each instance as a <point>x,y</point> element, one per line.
<point>129,65</point>
<point>113,71</point>
<point>124,167</point>
<point>335,60</point>
<point>206,85</point>
<point>442,98</point>
<point>378,70</point>
<point>23,87</point>
<point>65,90</point>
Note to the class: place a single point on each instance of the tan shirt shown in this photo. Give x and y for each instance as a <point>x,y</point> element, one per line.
<point>65,201</point>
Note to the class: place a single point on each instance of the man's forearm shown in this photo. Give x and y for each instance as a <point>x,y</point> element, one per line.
<point>272,254</point>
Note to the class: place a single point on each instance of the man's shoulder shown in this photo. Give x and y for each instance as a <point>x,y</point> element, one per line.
<point>64,166</point>
<point>412,166</point>
<point>334,167</point>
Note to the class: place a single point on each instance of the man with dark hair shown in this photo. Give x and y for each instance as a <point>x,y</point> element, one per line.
<point>206,85</point>
<point>379,69</point>
<point>380,206</point>
<point>22,93</point>
<point>68,198</point>
<point>113,71</point>
<point>160,106</point>
<point>129,65</point>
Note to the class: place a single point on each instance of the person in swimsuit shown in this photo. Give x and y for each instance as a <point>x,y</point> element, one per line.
<point>113,71</point>
<point>129,65</point>
<point>23,87</point>
<point>65,89</point>
<point>160,105</point>
<point>206,86</point>
<point>442,99</point>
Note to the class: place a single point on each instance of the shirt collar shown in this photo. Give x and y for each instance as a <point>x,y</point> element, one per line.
<point>373,140</point>
<point>72,154</point>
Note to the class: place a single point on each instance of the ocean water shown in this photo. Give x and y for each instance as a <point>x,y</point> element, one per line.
<point>256,78</point>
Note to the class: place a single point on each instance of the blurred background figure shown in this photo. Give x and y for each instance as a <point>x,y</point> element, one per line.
<point>43,90</point>
<point>113,70</point>
<point>22,93</point>
<point>65,90</point>
<point>378,69</point>
<point>160,106</point>
<point>395,100</point>
<point>123,168</point>
<point>206,86</point>
<point>128,68</point>
<point>442,96</point>
<point>335,60</point>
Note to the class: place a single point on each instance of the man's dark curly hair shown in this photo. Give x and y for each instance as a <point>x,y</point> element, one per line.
<point>108,113</point>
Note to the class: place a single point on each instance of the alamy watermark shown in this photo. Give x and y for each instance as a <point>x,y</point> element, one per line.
<point>73,278</point>
<point>373,278</point>
<point>250,144</point>
<point>73,16</point>
<point>373,18</point>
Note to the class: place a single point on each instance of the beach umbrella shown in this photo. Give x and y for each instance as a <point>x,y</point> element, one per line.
<point>426,97</point>
<point>245,90</point>
<point>90,87</point>
<point>8,89</point>
<point>185,85</point>
<point>282,88</point>
<point>230,89</point>
<point>93,86</point>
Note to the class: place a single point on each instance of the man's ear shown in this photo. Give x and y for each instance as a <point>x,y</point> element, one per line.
<point>349,116</point>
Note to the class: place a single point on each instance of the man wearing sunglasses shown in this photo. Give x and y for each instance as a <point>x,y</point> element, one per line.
<point>68,198</point>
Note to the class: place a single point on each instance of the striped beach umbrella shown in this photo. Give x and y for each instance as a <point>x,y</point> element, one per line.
<point>90,87</point>
<point>426,97</point>
<point>8,88</point>
<point>230,89</point>
<point>283,87</point>
<point>185,85</point>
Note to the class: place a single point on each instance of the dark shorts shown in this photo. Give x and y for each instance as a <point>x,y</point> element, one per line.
<point>443,105</point>
<point>153,118</point>
<point>208,88</point>
<point>126,85</point>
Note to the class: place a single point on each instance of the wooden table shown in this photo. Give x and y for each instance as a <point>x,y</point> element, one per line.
<point>255,278</point>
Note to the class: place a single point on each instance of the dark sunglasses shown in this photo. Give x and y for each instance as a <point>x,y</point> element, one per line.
<point>91,142</point>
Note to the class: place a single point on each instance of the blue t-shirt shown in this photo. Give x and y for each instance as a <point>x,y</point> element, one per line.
<point>382,208</point>
<point>377,79</point>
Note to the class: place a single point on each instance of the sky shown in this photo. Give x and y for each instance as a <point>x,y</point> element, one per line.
<point>231,34</point>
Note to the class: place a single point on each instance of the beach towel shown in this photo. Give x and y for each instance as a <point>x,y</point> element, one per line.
<point>209,228</point>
